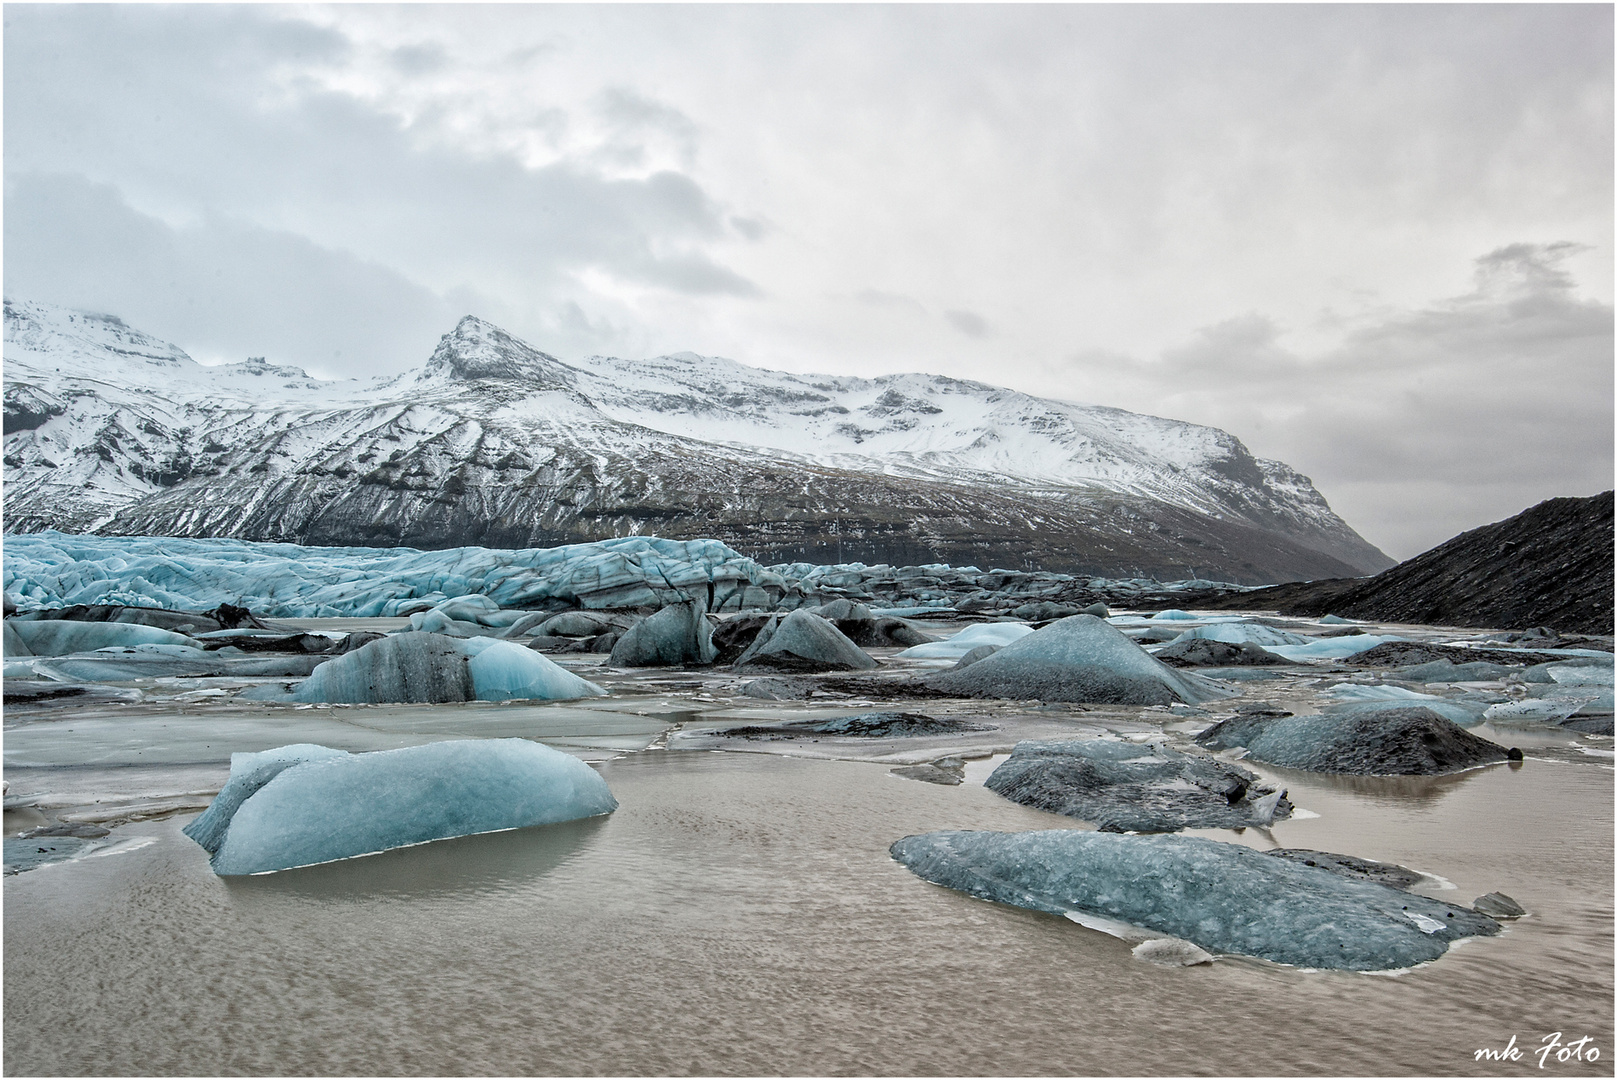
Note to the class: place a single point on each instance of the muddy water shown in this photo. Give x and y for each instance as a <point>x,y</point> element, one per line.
<point>739,915</point>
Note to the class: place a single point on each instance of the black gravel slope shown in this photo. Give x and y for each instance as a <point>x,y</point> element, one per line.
<point>1547,566</point>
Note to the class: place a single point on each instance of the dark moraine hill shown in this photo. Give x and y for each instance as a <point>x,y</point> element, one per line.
<point>1547,566</point>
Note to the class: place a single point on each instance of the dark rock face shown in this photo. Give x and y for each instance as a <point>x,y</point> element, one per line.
<point>1205,652</point>
<point>1126,787</point>
<point>1548,566</point>
<point>1397,741</point>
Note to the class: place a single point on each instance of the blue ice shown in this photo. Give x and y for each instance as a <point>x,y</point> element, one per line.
<point>1225,898</point>
<point>318,805</point>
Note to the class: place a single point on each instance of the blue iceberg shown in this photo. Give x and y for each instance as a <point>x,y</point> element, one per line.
<point>1079,658</point>
<point>61,637</point>
<point>300,805</point>
<point>1224,898</point>
<point>972,637</point>
<point>417,667</point>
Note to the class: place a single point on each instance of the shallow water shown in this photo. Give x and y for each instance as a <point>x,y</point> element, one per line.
<point>739,915</point>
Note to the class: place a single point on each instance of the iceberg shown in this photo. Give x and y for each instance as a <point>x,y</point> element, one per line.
<point>1237,633</point>
<point>1126,787</point>
<point>1363,740</point>
<point>676,636</point>
<point>54,637</point>
<point>1200,652</point>
<point>978,634</point>
<point>1224,898</point>
<point>1331,648</point>
<point>415,667</point>
<point>1079,658</point>
<point>506,671</point>
<point>300,805</point>
<point>804,642</point>
<point>1447,671</point>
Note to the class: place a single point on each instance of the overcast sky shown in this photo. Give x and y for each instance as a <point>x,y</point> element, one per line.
<point>1373,242</point>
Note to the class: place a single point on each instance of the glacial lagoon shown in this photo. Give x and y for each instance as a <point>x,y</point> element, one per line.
<point>739,913</point>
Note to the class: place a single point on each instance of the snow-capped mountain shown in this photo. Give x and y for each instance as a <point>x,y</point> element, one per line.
<point>492,442</point>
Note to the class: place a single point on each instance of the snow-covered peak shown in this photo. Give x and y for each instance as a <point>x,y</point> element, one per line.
<point>83,342</point>
<point>477,351</point>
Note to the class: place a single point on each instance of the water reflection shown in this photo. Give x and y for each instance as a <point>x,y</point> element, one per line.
<point>1389,790</point>
<point>484,865</point>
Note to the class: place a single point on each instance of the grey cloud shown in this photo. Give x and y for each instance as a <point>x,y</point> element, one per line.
<point>221,288</point>
<point>324,165</point>
<point>419,59</point>
<point>968,323</point>
<point>1427,422</point>
<point>882,299</point>
<point>751,228</point>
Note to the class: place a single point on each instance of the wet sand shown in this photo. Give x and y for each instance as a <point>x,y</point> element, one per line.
<point>739,915</point>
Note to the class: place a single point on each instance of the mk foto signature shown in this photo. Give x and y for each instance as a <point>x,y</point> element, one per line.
<point>1576,1050</point>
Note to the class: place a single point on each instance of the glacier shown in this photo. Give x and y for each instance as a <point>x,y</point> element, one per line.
<point>52,569</point>
<point>301,805</point>
<point>1224,898</point>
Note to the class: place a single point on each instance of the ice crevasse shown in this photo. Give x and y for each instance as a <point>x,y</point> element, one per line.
<point>305,804</point>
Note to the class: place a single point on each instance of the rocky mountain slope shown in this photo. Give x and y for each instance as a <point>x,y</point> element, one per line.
<point>1550,565</point>
<point>492,442</point>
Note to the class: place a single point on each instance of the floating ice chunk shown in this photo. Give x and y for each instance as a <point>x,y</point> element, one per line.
<point>61,637</point>
<point>1464,713</point>
<point>1173,614</point>
<point>1224,898</point>
<point>1580,674</point>
<point>248,773</point>
<point>1532,711</point>
<point>416,667</point>
<point>1333,620</point>
<point>677,635</point>
<point>1171,952</point>
<point>1447,671</point>
<point>1080,658</point>
<point>1363,740</point>
<point>437,622</point>
<point>1331,648</point>
<point>1200,652</point>
<point>335,807</point>
<point>1498,905</point>
<point>1123,787</point>
<point>1235,633</point>
<point>403,668</point>
<point>1377,692</point>
<point>504,670</point>
<point>14,644</point>
<point>968,639</point>
<point>804,642</point>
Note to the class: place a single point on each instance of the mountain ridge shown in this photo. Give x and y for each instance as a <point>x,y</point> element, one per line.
<point>492,441</point>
